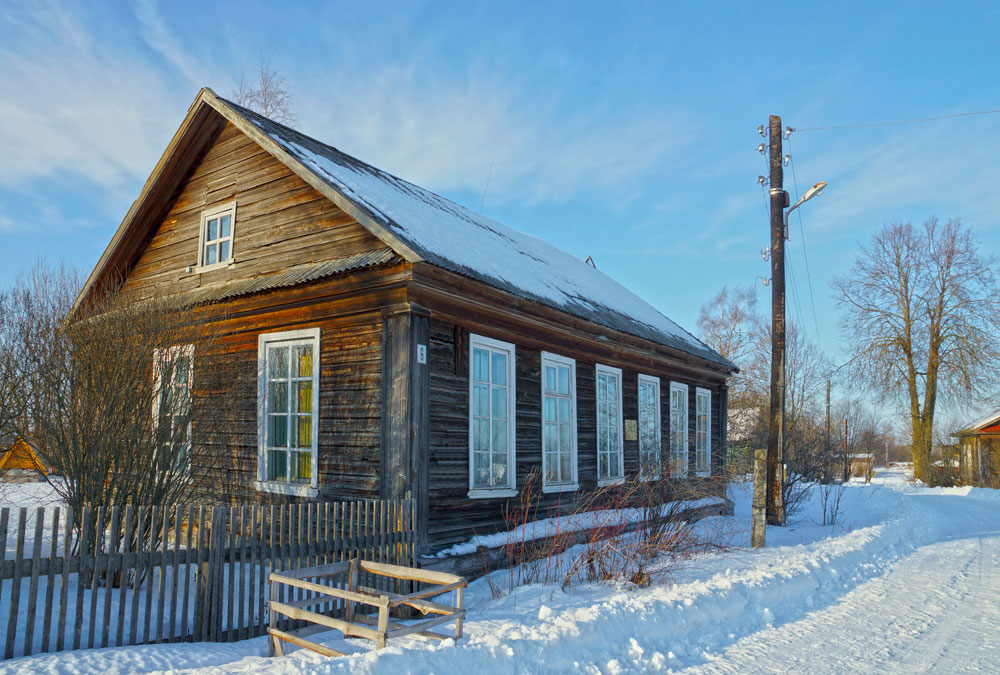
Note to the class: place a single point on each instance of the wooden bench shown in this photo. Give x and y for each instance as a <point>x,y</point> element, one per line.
<point>354,623</point>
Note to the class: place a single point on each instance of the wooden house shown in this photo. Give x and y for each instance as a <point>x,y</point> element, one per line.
<point>21,461</point>
<point>434,350</point>
<point>979,451</point>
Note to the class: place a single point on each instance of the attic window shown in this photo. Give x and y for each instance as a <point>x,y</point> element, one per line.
<point>215,248</point>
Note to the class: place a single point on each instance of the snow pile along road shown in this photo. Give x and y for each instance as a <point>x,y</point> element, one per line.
<point>905,582</point>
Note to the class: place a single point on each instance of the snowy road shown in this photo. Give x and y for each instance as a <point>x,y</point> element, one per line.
<point>908,581</point>
<point>936,610</point>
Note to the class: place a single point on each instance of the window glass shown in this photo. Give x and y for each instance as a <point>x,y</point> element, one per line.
<point>490,430</point>
<point>649,426</point>
<point>290,386</point>
<point>558,421</point>
<point>609,437</point>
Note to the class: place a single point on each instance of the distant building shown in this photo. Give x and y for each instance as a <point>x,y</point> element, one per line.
<point>979,451</point>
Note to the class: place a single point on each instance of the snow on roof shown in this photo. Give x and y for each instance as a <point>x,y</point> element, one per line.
<point>455,238</point>
<point>986,420</point>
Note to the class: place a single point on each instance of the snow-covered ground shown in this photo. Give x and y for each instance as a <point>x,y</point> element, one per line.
<point>907,581</point>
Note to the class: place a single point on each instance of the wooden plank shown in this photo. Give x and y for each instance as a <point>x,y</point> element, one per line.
<point>318,571</point>
<point>189,583</point>
<point>4,519</point>
<point>110,565</point>
<point>270,554</point>
<point>305,615</point>
<point>201,582</point>
<point>94,576</point>
<point>150,549</point>
<point>142,521</point>
<point>273,646</point>
<point>425,606</point>
<point>328,590</point>
<point>161,569</point>
<point>50,581</point>
<point>460,611</point>
<point>414,574</point>
<point>229,569</point>
<point>83,555</point>
<point>394,625</point>
<point>217,571</point>
<point>426,593</point>
<point>36,557</point>
<point>64,585</point>
<point>15,589</point>
<point>301,642</point>
<point>127,545</point>
<point>260,570</point>
<point>240,629</point>
<point>172,620</point>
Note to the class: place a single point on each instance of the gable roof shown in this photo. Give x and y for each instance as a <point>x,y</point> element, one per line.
<point>419,225</point>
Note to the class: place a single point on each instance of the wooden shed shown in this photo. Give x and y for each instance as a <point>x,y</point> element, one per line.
<point>445,354</point>
<point>979,451</point>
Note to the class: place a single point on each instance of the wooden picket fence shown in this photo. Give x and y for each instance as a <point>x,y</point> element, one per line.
<point>141,575</point>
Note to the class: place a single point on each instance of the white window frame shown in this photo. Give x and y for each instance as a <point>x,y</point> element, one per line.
<point>263,484</point>
<point>600,369</point>
<point>510,489</point>
<point>229,208</point>
<point>682,453</point>
<point>655,381</point>
<point>706,470</point>
<point>161,356</point>
<point>574,483</point>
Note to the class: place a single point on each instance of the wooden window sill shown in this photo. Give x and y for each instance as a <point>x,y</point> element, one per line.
<point>492,494</point>
<point>562,487</point>
<point>290,489</point>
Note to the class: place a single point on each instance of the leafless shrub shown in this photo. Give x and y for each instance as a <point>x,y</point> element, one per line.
<point>637,532</point>
<point>127,399</point>
<point>830,496</point>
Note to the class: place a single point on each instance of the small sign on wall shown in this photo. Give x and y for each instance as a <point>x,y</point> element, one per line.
<point>421,353</point>
<point>631,430</point>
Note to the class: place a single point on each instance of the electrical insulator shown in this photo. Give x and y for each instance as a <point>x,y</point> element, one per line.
<point>788,158</point>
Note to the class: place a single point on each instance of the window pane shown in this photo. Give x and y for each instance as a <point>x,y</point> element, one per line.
<point>481,469</point>
<point>212,230</point>
<point>480,435</point>
<point>612,388</point>
<point>564,443</point>
<point>550,438</point>
<point>564,410</point>
<point>565,467</point>
<point>277,432</point>
<point>500,437</point>
<point>303,357</point>
<point>224,226</point>
<point>277,397</point>
<point>499,369</point>
<point>305,431</point>
<point>551,468</point>
<point>499,403</point>
<point>602,387</point>
<point>305,396</point>
<point>277,362</point>
<point>499,469</point>
<point>563,380</point>
<point>550,378</point>
<point>481,404</point>
<point>210,255</point>
<point>550,409</point>
<point>602,465</point>
<point>223,251</point>
<point>279,465</point>
<point>303,468</point>
<point>481,365</point>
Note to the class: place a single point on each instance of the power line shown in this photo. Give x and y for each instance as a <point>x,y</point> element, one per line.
<point>802,235</point>
<point>888,124</point>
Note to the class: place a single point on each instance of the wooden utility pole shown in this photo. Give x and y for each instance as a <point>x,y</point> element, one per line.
<point>776,425</point>
<point>828,458</point>
<point>847,463</point>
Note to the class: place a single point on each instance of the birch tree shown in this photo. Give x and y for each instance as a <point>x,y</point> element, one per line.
<point>920,313</point>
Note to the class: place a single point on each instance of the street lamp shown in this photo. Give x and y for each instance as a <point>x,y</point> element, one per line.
<point>814,191</point>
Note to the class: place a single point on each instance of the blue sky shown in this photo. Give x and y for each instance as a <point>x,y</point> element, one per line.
<point>624,131</point>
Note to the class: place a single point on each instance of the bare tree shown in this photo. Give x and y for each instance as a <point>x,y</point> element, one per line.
<point>127,399</point>
<point>267,94</point>
<point>920,312</point>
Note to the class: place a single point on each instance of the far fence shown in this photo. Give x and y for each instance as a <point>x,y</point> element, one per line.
<point>141,575</point>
